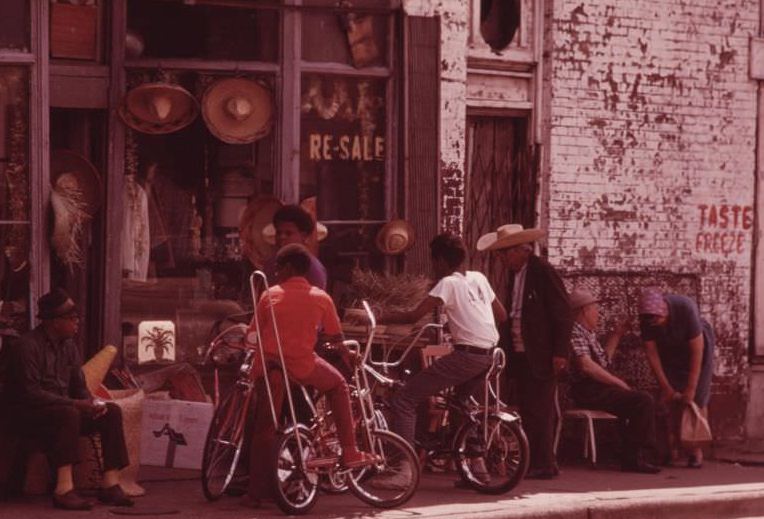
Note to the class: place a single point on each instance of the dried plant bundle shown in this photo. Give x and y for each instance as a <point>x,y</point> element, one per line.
<point>388,292</point>
<point>69,209</point>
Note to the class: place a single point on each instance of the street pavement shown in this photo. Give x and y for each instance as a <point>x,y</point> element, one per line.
<point>718,491</point>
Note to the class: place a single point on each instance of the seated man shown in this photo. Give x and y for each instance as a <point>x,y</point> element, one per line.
<point>472,310</point>
<point>594,387</point>
<point>47,396</point>
<point>300,310</point>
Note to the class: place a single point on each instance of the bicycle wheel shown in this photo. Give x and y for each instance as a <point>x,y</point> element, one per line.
<point>394,480</point>
<point>223,444</point>
<point>499,463</point>
<point>295,490</point>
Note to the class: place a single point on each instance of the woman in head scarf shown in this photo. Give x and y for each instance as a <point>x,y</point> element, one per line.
<point>680,349</point>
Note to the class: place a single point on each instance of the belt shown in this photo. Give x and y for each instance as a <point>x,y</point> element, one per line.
<point>466,348</point>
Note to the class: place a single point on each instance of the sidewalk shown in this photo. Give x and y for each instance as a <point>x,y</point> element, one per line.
<point>718,491</point>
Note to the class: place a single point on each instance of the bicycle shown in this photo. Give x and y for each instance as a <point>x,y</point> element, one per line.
<point>305,452</point>
<point>484,439</point>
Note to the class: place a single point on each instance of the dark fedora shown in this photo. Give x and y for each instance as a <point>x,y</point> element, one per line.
<point>55,303</point>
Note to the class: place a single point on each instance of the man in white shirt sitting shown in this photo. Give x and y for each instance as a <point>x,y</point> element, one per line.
<point>472,310</point>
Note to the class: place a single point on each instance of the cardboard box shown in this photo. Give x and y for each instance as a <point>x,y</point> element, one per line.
<point>173,432</point>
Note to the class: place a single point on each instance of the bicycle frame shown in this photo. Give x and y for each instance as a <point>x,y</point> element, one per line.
<point>491,383</point>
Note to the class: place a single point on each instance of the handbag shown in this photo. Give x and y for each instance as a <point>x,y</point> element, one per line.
<point>694,430</point>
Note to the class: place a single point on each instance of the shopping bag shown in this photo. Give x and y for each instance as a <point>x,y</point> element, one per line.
<point>694,430</point>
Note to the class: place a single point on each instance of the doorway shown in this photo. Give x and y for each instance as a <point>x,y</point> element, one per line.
<point>501,187</point>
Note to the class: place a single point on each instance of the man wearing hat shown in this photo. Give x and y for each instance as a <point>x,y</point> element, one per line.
<point>536,337</point>
<point>47,396</point>
<point>594,387</point>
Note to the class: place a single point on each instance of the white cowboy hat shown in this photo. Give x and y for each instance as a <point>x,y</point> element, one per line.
<point>508,236</point>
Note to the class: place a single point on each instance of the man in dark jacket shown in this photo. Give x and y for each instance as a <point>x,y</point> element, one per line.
<point>47,396</point>
<point>536,337</point>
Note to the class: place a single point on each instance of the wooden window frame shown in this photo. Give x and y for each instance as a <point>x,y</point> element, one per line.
<point>36,61</point>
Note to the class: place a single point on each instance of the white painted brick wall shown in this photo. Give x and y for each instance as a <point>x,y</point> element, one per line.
<point>653,117</point>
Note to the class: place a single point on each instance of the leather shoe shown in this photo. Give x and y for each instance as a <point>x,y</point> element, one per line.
<point>114,496</point>
<point>71,501</point>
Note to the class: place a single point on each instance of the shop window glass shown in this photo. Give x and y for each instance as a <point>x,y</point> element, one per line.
<point>183,263</point>
<point>343,152</point>
<point>14,200</point>
<point>161,29</point>
<point>355,38</point>
<point>14,24</point>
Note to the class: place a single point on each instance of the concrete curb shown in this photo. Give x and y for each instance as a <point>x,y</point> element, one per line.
<point>720,504</point>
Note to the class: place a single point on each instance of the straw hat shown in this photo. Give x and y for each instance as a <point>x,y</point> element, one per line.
<point>508,236</point>
<point>238,110</point>
<point>395,237</point>
<point>158,108</point>
<point>71,173</point>
<point>258,214</point>
<point>580,297</point>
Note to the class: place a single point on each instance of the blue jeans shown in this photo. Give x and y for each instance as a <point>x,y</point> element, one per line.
<point>455,369</point>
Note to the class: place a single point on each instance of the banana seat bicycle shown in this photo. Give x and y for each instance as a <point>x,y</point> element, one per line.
<point>484,439</point>
<point>305,454</point>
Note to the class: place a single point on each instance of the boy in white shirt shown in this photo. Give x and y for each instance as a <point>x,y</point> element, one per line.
<point>472,310</point>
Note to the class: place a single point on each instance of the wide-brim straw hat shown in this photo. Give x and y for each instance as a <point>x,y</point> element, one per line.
<point>508,236</point>
<point>77,173</point>
<point>580,297</point>
<point>258,214</point>
<point>158,108</point>
<point>395,237</point>
<point>238,110</point>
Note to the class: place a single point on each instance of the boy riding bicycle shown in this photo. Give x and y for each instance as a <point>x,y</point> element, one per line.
<point>472,310</point>
<point>300,311</point>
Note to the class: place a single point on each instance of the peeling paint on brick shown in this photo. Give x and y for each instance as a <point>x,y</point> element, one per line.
<point>652,117</point>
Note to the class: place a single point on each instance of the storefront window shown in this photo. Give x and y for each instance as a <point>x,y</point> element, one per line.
<point>161,29</point>
<point>343,152</point>
<point>14,200</point>
<point>185,194</point>
<point>14,24</point>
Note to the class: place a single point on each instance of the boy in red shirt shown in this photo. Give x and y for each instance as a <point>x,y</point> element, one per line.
<point>301,310</point>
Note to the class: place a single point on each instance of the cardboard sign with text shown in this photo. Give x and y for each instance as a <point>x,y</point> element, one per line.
<point>173,433</point>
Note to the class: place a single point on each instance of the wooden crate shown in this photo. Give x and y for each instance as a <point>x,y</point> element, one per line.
<point>74,31</point>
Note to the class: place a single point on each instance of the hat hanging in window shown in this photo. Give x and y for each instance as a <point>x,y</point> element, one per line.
<point>258,214</point>
<point>238,110</point>
<point>395,237</point>
<point>158,108</point>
